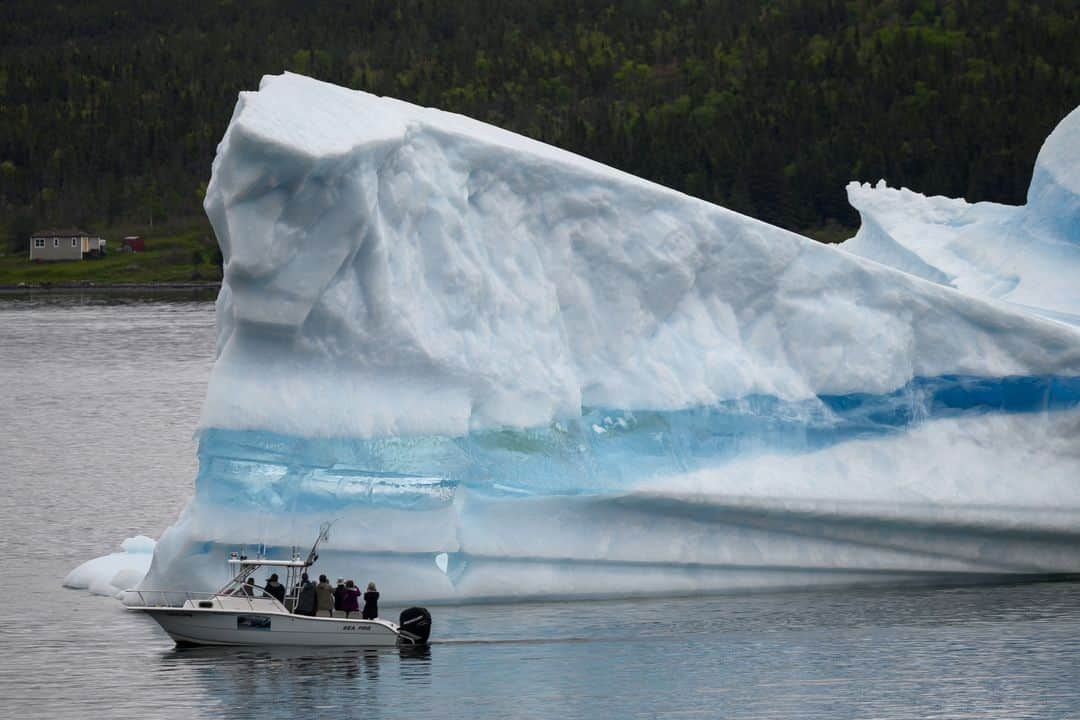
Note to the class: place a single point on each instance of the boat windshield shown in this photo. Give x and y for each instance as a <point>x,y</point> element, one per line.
<point>245,568</point>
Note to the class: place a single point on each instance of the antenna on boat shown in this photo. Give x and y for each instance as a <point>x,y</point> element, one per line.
<point>324,534</point>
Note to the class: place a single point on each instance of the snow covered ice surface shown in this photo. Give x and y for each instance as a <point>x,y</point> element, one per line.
<point>510,372</point>
<point>1028,256</point>
<point>114,573</point>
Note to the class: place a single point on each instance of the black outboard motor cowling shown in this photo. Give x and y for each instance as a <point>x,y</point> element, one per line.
<point>415,625</point>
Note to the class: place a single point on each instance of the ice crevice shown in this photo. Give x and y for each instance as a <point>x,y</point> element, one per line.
<point>513,373</point>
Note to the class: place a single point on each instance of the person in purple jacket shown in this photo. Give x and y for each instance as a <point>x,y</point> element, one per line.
<point>351,603</point>
<point>339,596</point>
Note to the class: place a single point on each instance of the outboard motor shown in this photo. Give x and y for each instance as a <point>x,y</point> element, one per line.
<point>415,625</point>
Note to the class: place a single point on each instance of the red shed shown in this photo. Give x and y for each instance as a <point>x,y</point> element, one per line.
<point>136,243</point>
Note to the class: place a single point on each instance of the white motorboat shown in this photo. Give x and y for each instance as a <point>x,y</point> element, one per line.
<point>241,613</point>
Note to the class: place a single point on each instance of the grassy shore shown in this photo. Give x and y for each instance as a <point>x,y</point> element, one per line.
<point>172,256</point>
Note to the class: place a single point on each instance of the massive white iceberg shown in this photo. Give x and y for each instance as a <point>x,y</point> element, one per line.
<point>1028,256</point>
<point>506,371</point>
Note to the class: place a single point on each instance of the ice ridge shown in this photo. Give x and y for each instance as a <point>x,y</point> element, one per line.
<point>394,270</point>
<point>1028,256</point>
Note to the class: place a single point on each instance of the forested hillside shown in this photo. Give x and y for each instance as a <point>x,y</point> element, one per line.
<point>110,111</point>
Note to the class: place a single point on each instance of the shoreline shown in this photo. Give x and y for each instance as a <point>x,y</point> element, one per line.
<point>88,286</point>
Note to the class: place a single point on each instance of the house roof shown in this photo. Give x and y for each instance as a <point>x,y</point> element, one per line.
<point>61,233</point>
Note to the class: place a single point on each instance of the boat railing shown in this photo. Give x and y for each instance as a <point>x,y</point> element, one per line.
<point>203,600</point>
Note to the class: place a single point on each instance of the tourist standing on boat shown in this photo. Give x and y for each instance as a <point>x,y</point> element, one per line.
<point>324,598</point>
<point>248,588</point>
<point>339,595</point>
<point>371,602</point>
<point>274,589</point>
<point>352,598</point>
<point>305,601</point>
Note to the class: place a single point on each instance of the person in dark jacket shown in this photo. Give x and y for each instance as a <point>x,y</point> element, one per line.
<point>247,589</point>
<point>339,596</point>
<point>305,601</point>
<point>351,603</point>
<point>371,602</point>
<point>274,589</point>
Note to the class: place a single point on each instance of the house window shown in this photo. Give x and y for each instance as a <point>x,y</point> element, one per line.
<point>56,242</point>
<point>39,242</point>
<point>74,242</point>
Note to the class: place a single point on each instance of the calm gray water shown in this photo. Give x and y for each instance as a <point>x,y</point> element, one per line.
<point>98,400</point>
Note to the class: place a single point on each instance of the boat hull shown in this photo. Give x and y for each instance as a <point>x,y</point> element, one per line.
<point>188,626</point>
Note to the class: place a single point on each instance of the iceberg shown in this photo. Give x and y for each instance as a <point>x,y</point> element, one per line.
<point>114,573</point>
<point>1027,256</point>
<point>507,372</point>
